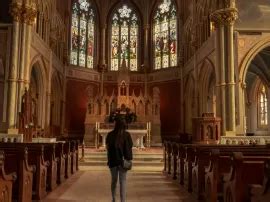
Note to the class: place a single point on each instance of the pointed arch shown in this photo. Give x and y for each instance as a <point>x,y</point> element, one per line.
<point>164,20</point>
<point>38,88</point>
<point>56,100</point>
<point>189,102</point>
<point>83,33</point>
<point>124,36</point>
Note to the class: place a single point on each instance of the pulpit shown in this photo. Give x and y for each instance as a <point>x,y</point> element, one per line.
<point>206,129</point>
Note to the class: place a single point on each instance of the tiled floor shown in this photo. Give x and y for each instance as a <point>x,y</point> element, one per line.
<point>94,186</point>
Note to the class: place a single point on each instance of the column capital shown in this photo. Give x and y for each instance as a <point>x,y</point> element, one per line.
<point>225,16</point>
<point>29,15</point>
<point>16,11</point>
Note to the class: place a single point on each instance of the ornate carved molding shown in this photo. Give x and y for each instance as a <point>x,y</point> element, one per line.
<point>16,11</point>
<point>225,16</point>
<point>23,13</point>
<point>29,15</point>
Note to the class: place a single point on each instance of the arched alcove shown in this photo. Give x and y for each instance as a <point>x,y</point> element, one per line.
<point>56,102</point>
<point>257,80</point>
<point>189,103</point>
<point>207,88</point>
<point>38,88</point>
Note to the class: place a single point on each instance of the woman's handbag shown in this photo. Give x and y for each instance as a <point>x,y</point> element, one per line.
<point>127,164</point>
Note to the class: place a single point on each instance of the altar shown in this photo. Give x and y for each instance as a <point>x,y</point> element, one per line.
<point>138,132</point>
<point>140,106</point>
<point>136,135</point>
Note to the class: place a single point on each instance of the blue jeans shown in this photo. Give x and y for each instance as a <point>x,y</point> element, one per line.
<point>115,171</point>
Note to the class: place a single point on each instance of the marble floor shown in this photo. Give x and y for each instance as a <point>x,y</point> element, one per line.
<point>94,186</point>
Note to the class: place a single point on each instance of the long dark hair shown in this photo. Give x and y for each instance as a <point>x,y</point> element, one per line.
<point>119,129</point>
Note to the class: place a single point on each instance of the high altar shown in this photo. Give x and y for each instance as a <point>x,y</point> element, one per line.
<point>145,131</point>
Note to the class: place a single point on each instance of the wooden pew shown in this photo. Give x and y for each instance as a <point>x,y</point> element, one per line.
<point>218,166</point>
<point>165,152</point>
<point>73,141</point>
<point>169,158</point>
<point>50,156</point>
<point>261,192</point>
<point>68,162</point>
<point>73,156</point>
<point>243,173</point>
<point>35,157</point>
<point>18,162</point>
<point>175,154</point>
<point>188,161</point>
<point>6,181</point>
<point>181,159</point>
<point>77,154</point>
<point>194,159</point>
<point>59,152</point>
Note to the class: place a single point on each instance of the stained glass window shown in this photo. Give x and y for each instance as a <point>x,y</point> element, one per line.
<point>262,107</point>
<point>82,34</point>
<point>124,39</point>
<point>165,35</point>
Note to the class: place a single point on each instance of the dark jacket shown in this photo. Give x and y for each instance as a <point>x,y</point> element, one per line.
<point>115,155</point>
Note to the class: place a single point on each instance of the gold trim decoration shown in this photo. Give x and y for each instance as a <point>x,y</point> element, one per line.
<point>16,10</point>
<point>29,15</point>
<point>225,16</point>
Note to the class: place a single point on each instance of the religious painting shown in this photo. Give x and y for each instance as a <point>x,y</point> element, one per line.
<point>165,35</point>
<point>253,15</point>
<point>124,38</point>
<point>82,34</point>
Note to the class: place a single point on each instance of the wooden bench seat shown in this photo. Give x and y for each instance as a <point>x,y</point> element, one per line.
<point>6,180</point>
<point>73,156</point>
<point>68,162</point>
<point>18,163</point>
<point>261,192</point>
<point>244,172</point>
<point>61,167</point>
<point>35,157</point>
<point>50,156</point>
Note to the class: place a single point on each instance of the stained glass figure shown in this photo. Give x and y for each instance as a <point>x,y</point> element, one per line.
<point>124,38</point>
<point>262,104</point>
<point>82,34</point>
<point>165,35</point>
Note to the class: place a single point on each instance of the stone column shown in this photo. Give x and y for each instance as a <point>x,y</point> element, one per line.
<point>182,103</point>
<point>231,16</point>
<point>15,10</point>
<point>146,46</point>
<point>222,82</point>
<point>29,15</point>
<point>30,19</point>
<point>103,42</point>
<point>63,115</point>
<point>102,81</point>
<point>21,66</point>
<point>223,20</point>
<point>242,108</point>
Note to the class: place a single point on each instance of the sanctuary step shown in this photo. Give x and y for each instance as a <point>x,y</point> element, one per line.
<point>149,159</point>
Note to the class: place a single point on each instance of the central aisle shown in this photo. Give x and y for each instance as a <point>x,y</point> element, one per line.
<point>94,186</point>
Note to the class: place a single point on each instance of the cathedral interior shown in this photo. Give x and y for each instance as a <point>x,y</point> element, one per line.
<point>197,69</point>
